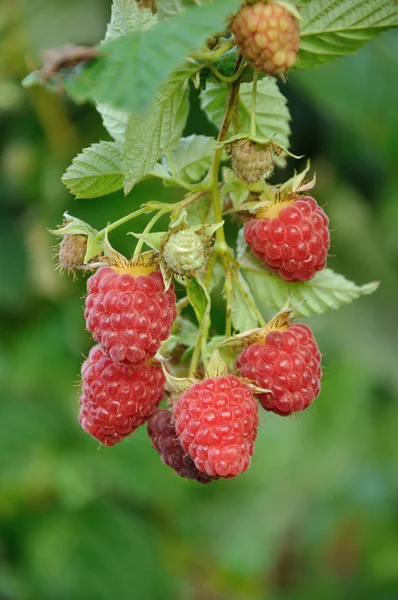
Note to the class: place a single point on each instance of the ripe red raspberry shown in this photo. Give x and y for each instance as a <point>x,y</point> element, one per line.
<point>268,36</point>
<point>216,421</point>
<point>117,398</point>
<point>162,432</point>
<point>292,238</point>
<point>289,364</point>
<point>129,314</point>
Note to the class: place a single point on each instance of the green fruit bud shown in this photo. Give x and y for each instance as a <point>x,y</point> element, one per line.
<point>251,161</point>
<point>184,252</point>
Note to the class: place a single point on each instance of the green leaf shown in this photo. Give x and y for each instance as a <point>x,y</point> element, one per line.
<point>95,172</point>
<point>185,331</point>
<point>126,17</point>
<point>243,317</point>
<point>200,211</point>
<point>198,298</point>
<point>135,65</point>
<point>328,290</point>
<point>192,158</point>
<point>170,8</point>
<point>114,121</point>
<point>272,114</point>
<point>148,136</point>
<point>332,29</point>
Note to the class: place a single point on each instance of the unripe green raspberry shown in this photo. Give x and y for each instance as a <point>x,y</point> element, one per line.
<point>72,251</point>
<point>268,36</point>
<point>184,252</point>
<point>251,161</point>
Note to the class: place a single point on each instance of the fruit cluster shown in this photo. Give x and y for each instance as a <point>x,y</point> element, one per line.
<point>210,431</point>
<point>209,428</point>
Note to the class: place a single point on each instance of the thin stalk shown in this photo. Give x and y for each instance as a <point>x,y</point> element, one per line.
<point>213,55</point>
<point>123,220</point>
<point>182,303</point>
<point>221,246</point>
<point>148,228</point>
<point>226,78</point>
<point>195,357</point>
<point>254,270</point>
<point>254,105</point>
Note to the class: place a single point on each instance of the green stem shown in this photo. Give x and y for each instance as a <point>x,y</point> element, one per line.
<point>213,55</point>
<point>254,270</point>
<point>195,357</point>
<point>254,105</point>
<point>123,220</point>
<point>182,303</point>
<point>149,226</point>
<point>226,78</point>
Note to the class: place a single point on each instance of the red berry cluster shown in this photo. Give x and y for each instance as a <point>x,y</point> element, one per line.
<point>129,313</point>
<point>291,238</point>
<point>288,364</point>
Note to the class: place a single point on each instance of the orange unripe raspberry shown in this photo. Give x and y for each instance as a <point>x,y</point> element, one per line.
<point>268,36</point>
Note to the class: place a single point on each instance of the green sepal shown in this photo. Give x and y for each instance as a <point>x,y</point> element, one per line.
<point>153,240</point>
<point>295,184</point>
<point>177,385</point>
<point>216,366</point>
<point>167,276</point>
<point>94,247</point>
<point>74,226</point>
<point>257,140</point>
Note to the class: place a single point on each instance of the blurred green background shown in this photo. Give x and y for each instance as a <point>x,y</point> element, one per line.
<point>316,516</point>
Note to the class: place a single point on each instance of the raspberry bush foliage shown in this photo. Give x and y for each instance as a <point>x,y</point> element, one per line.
<point>149,313</point>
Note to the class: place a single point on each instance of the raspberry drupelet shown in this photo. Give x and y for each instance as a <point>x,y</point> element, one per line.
<point>162,433</point>
<point>216,422</point>
<point>129,313</point>
<point>291,237</point>
<point>116,399</point>
<point>268,36</point>
<point>288,363</point>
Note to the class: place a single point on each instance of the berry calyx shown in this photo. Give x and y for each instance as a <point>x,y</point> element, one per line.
<point>291,237</point>
<point>216,422</point>
<point>116,399</point>
<point>268,36</point>
<point>288,363</point>
<point>162,433</point>
<point>251,161</point>
<point>184,252</point>
<point>128,312</point>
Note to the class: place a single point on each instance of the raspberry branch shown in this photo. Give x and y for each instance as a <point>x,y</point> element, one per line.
<point>131,308</point>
